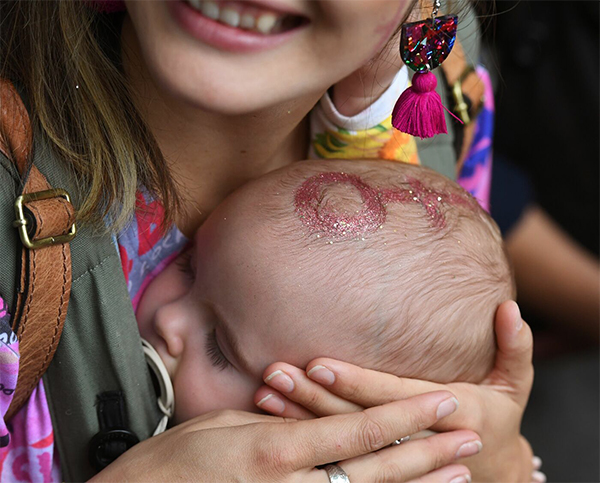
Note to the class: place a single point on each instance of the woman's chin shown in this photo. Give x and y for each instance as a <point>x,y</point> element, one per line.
<point>225,100</point>
<point>230,92</point>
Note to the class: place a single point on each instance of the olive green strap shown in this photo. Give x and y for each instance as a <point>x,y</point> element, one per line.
<point>100,349</point>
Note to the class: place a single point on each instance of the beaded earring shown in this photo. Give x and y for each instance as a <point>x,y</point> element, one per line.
<point>424,45</point>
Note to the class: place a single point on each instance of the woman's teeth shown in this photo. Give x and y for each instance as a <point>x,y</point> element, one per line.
<point>239,16</point>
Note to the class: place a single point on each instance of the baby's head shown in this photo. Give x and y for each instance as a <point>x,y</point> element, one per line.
<point>385,265</point>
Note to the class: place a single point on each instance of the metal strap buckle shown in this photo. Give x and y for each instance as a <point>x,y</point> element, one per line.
<point>21,222</point>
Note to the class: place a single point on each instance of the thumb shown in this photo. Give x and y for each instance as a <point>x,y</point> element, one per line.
<point>515,350</point>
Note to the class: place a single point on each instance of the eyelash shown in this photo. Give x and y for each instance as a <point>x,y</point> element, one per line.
<point>185,266</point>
<point>213,350</point>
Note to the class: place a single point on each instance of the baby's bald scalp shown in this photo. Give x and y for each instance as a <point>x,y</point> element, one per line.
<point>415,284</point>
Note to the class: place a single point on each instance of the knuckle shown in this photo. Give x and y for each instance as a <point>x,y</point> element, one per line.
<point>391,472</point>
<point>416,421</point>
<point>272,459</point>
<point>384,477</point>
<point>371,435</point>
<point>353,391</point>
<point>312,400</point>
<point>435,453</point>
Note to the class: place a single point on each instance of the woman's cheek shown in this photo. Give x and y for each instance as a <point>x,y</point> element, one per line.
<point>366,26</point>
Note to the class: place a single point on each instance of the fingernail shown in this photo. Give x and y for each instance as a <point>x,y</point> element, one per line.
<point>271,404</point>
<point>469,449</point>
<point>519,321</point>
<point>538,477</point>
<point>447,407</point>
<point>322,375</point>
<point>281,381</point>
<point>537,462</point>
<point>461,479</point>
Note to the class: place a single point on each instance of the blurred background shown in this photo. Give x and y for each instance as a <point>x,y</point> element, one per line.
<point>544,57</point>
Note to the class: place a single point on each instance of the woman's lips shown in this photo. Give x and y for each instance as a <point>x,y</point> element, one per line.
<point>215,32</point>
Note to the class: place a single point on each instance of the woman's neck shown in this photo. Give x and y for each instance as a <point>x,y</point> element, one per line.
<point>212,154</point>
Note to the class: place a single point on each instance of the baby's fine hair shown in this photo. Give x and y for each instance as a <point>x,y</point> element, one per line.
<point>421,262</point>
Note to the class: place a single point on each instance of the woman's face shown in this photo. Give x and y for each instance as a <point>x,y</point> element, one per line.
<point>308,46</point>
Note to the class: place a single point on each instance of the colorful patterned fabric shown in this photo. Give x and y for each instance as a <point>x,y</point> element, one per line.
<point>145,248</point>
<point>379,142</point>
<point>476,173</point>
<point>28,454</point>
<point>368,135</point>
<point>9,368</point>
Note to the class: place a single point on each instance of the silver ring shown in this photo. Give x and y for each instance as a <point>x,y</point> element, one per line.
<point>336,474</point>
<point>401,440</point>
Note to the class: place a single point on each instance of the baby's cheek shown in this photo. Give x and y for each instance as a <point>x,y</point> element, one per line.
<point>200,392</point>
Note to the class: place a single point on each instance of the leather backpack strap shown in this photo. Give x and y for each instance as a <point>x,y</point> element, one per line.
<point>467,90</point>
<point>45,218</point>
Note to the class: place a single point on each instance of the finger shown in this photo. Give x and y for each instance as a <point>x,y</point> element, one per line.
<point>538,477</point>
<point>333,438</point>
<point>414,459</point>
<point>371,388</point>
<point>298,387</point>
<point>447,474</point>
<point>537,462</point>
<point>277,404</point>
<point>365,387</point>
<point>513,366</point>
<point>450,474</point>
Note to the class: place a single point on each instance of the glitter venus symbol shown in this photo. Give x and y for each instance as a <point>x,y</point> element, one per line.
<point>339,226</point>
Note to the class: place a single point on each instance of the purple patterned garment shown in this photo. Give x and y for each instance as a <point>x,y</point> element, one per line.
<point>9,368</point>
<point>27,452</point>
<point>476,173</point>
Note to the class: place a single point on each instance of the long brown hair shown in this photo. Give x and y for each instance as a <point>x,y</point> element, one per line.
<point>56,51</point>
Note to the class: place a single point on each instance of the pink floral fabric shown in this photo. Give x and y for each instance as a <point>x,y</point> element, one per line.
<point>27,441</point>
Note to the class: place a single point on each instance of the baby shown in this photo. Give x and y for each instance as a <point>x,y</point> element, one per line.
<point>385,265</point>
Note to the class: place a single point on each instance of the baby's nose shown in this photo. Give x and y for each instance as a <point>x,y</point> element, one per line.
<point>169,324</point>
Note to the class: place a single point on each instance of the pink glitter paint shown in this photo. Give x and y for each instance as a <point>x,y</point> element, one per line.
<point>341,226</point>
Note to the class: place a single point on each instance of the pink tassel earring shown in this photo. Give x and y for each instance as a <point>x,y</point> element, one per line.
<point>424,45</point>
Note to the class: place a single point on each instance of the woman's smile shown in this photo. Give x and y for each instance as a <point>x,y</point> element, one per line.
<point>236,26</point>
<point>248,16</point>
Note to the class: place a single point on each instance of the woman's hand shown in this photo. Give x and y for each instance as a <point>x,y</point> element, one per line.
<point>236,446</point>
<point>493,409</point>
